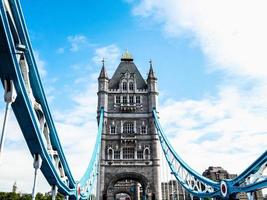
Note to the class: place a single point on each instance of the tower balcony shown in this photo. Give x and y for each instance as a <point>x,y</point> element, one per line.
<point>128,139</point>
<point>128,107</point>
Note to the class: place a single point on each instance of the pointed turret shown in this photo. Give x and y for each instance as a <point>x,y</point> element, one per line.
<point>152,88</point>
<point>103,72</point>
<point>151,74</point>
<point>103,87</point>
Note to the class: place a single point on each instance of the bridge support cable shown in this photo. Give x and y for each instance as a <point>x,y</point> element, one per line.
<point>252,179</point>
<point>9,97</point>
<point>54,191</point>
<point>164,179</point>
<point>88,183</point>
<point>168,182</point>
<point>250,195</point>
<point>194,183</point>
<point>183,193</point>
<point>37,162</point>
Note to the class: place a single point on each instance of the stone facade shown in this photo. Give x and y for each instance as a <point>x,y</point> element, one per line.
<point>130,146</point>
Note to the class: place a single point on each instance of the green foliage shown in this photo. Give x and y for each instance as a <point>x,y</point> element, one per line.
<point>14,196</point>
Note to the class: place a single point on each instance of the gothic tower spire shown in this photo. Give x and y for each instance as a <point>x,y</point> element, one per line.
<point>151,74</point>
<point>103,82</point>
<point>103,72</point>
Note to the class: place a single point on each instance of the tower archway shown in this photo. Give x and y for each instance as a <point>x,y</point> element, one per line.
<point>133,184</point>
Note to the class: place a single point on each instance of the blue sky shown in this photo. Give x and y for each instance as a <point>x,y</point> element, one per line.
<point>178,63</point>
<point>211,71</point>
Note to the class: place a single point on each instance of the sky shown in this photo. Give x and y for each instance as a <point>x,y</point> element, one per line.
<point>209,57</point>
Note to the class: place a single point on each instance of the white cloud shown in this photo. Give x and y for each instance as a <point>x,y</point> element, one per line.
<point>77,42</point>
<point>77,129</point>
<point>17,164</point>
<point>228,130</point>
<point>110,53</point>
<point>232,34</point>
<point>40,64</point>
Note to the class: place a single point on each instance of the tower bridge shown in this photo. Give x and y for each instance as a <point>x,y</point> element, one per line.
<point>131,146</point>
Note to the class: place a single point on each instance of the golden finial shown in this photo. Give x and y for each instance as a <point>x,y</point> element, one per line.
<point>126,55</point>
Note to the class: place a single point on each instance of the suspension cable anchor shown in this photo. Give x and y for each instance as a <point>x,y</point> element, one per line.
<point>54,192</point>
<point>37,163</point>
<point>9,97</point>
<point>21,47</point>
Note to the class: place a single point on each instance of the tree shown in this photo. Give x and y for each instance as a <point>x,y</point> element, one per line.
<point>39,196</point>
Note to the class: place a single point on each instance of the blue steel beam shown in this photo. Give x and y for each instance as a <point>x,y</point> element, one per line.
<point>38,88</point>
<point>207,187</point>
<point>22,107</point>
<point>249,181</point>
<point>15,42</point>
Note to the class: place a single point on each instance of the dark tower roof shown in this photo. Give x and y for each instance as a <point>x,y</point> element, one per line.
<point>103,72</point>
<point>151,74</point>
<point>127,65</point>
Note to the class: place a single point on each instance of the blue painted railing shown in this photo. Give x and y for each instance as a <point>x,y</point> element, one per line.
<point>251,180</point>
<point>15,44</point>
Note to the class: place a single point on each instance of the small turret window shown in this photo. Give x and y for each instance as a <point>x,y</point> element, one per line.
<point>124,86</point>
<point>138,99</point>
<point>143,129</point>
<point>117,154</point>
<point>131,99</point>
<point>140,154</point>
<point>131,86</point>
<point>124,99</point>
<point>118,99</point>
<point>112,129</point>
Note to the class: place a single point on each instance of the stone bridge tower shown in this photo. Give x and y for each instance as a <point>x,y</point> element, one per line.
<point>129,160</point>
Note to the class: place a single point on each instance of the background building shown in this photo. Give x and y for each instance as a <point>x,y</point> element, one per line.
<point>171,189</point>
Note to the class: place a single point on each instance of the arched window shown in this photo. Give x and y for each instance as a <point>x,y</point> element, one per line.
<point>110,154</point>
<point>124,86</point>
<point>131,86</point>
<point>146,154</point>
<point>128,127</point>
